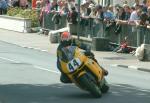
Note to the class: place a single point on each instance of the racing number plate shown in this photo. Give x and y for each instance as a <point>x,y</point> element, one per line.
<point>74,64</point>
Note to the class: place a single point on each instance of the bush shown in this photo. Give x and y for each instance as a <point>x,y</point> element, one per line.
<point>25,13</point>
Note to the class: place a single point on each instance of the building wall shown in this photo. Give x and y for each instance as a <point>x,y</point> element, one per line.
<point>130,2</point>
<point>114,2</point>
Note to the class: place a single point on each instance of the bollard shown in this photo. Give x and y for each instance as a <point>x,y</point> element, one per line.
<point>100,44</point>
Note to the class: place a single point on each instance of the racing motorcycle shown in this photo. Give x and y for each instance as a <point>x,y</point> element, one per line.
<point>83,71</point>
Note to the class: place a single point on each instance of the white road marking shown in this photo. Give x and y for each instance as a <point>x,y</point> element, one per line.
<point>35,66</point>
<point>11,60</point>
<point>41,68</point>
<point>133,67</point>
<point>129,87</point>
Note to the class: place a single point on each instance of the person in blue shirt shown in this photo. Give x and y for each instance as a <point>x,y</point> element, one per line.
<point>109,14</point>
<point>3,7</point>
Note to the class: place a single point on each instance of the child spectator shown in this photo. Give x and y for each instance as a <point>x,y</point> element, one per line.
<point>123,48</point>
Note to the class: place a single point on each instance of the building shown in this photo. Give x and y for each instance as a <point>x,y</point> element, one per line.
<point>120,2</point>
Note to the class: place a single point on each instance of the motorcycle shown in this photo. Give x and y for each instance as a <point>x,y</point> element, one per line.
<point>83,71</point>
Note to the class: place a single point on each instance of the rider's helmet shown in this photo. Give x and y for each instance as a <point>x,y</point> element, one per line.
<point>65,38</point>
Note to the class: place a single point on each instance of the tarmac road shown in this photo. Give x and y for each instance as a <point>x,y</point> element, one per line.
<point>31,76</point>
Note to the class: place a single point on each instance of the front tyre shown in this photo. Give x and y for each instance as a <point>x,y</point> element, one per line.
<point>90,85</point>
<point>105,86</point>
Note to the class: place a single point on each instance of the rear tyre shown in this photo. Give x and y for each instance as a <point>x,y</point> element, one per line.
<point>90,86</point>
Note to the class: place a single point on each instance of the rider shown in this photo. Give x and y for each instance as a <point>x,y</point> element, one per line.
<point>66,40</point>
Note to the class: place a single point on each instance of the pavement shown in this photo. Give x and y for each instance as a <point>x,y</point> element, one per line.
<point>41,42</point>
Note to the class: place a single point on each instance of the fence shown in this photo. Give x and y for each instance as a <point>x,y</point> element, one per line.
<point>93,27</point>
<point>49,24</point>
<point>97,28</point>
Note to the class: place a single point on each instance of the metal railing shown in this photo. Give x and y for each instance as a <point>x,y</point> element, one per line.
<point>93,27</point>
<point>49,24</point>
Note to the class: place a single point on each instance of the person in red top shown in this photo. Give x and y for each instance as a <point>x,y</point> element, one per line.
<point>124,47</point>
<point>34,4</point>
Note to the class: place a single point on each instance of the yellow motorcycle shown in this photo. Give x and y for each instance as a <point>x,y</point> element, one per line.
<point>83,71</point>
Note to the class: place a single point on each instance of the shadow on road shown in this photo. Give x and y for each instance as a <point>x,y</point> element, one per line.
<point>60,93</point>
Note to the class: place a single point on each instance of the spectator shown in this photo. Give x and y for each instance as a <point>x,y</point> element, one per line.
<point>135,16</point>
<point>137,7</point>
<point>73,16</point>
<point>61,4</point>
<point>47,6</point>
<point>23,3</point>
<point>109,14</point>
<point>121,14</point>
<point>3,7</point>
<point>83,10</point>
<point>136,2</point>
<point>56,19</point>
<point>37,4</point>
<point>125,3</point>
<point>15,3</point>
<point>123,48</point>
<point>127,12</point>
<point>93,11</point>
<point>119,19</point>
<point>54,5</point>
<point>34,3</point>
<point>87,7</point>
<point>99,13</point>
<point>44,9</point>
<point>132,9</point>
<point>70,4</point>
<point>64,10</point>
<point>148,13</point>
<point>143,19</point>
<point>144,9</point>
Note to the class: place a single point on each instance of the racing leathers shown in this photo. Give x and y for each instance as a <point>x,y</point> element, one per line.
<point>64,78</point>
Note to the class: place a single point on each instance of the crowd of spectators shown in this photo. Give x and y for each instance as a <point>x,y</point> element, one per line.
<point>138,14</point>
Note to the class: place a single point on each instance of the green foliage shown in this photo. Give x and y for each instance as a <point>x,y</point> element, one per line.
<point>24,13</point>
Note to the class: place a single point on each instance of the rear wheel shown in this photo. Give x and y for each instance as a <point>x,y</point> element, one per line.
<point>90,85</point>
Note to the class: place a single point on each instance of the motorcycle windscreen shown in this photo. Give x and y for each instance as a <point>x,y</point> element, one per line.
<point>69,56</point>
<point>68,53</point>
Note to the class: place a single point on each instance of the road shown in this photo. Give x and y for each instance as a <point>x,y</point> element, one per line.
<point>31,76</point>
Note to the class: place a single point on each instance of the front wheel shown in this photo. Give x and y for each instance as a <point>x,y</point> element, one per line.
<point>105,86</point>
<point>90,85</point>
